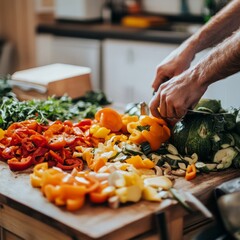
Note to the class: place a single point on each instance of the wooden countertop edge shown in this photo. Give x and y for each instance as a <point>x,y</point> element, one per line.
<point>203,191</point>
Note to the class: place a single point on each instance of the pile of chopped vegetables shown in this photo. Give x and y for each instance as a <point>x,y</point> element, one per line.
<point>114,158</point>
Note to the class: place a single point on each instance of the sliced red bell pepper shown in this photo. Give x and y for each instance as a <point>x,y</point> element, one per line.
<point>39,155</point>
<point>56,157</point>
<point>28,145</point>
<point>84,124</point>
<point>39,140</point>
<point>20,165</point>
<point>70,164</point>
<point>57,142</point>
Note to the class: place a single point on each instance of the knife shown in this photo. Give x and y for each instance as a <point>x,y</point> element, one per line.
<point>190,202</point>
<point>192,111</point>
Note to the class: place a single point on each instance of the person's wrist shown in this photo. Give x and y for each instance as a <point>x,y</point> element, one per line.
<point>189,49</point>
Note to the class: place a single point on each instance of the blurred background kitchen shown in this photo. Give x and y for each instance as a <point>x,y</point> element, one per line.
<point>122,41</point>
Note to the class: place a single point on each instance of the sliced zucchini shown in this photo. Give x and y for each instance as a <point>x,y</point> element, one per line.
<point>172,160</point>
<point>188,160</point>
<point>113,157</point>
<point>121,157</point>
<point>211,166</point>
<point>224,157</point>
<point>202,167</point>
<point>161,161</point>
<point>179,172</point>
<point>146,148</point>
<point>173,157</point>
<point>132,149</point>
<point>155,158</point>
<point>172,149</point>
<point>194,157</point>
<point>162,150</point>
<point>182,166</point>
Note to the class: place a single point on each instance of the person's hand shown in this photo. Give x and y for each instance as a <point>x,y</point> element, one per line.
<point>176,96</point>
<point>177,62</point>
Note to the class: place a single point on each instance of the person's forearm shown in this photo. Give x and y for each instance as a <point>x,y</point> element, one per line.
<point>220,26</point>
<point>221,62</point>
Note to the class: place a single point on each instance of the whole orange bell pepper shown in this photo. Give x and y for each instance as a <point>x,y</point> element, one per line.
<point>109,118</point>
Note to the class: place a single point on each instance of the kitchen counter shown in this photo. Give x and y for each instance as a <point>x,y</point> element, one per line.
<point>26,213</point>
<point>168,33</point>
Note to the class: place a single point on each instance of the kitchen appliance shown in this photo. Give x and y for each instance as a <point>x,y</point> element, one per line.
<point>81,10</point>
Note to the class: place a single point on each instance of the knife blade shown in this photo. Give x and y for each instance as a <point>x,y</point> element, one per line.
<point>190,202</point>
<point>192,111</point>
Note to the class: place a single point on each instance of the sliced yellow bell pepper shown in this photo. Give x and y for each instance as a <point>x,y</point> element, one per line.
<point>150,129</point>
<point>137,137</point>
<point>138,162</point>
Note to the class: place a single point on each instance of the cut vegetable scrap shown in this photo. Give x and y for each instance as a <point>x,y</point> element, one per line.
<point>120,186</point>
<point>191,172</point>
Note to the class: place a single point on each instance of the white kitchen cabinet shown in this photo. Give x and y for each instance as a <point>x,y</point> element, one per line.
<point>75,51</point>
<point>129,68</point>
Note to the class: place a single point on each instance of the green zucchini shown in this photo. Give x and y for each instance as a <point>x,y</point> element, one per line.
<point>230,121</point>
<point>227,140</point>
<point>208,105</point>
<point>224,157</point>
<point>172,160</point>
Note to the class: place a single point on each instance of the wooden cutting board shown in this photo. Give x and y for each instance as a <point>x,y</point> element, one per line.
<point>97,222</point>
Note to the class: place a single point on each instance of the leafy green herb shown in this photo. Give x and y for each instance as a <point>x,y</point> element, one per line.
<point>13,110</point>
<point>64,108</point>
<point>94,97</point>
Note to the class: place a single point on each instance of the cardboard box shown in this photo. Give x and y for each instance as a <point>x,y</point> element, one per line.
<point>51,80</point>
